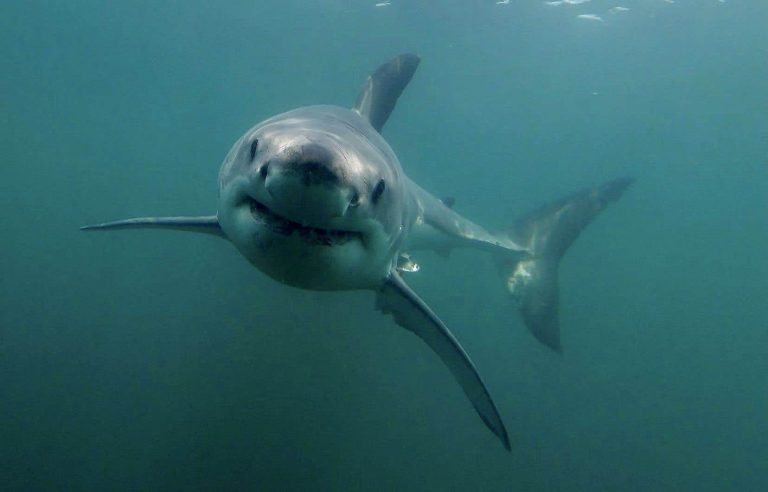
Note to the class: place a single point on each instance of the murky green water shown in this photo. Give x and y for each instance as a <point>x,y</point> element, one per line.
<point>159,361</point>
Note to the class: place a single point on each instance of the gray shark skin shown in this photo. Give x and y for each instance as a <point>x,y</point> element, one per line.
<point>316,198</point>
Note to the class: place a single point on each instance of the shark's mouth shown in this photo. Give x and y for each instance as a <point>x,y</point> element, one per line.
<point>314,235</point>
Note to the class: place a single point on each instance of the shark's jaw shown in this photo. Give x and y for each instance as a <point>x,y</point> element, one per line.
<point>305,251</point>
<point>321,236</point>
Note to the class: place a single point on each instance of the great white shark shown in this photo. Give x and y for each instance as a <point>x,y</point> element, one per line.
<point>316,198</point>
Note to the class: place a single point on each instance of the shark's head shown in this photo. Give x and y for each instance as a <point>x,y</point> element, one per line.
<point>313,198</point>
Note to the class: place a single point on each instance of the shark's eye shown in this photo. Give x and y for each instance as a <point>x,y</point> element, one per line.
<point>377,191</point>
<point>254,147</point>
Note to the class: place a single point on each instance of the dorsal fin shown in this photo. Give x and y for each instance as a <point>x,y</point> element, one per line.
<point>379,94</point>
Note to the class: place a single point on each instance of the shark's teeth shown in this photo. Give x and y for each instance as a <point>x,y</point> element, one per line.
<point>286,227</point>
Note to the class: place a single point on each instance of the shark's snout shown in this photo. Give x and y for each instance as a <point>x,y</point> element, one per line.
<point>313,172</point>
<point>312,163</point>
<point>307,186</point>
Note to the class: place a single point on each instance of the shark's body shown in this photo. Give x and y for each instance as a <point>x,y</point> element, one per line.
<point>317,199</point>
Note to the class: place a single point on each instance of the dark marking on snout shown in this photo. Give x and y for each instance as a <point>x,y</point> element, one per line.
<point>316,173</point>
<point>313,164</point>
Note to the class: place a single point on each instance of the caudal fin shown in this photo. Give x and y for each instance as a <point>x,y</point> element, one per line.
<point>547,233</point>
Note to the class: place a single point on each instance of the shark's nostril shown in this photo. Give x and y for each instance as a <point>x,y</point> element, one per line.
<point>254,147</point>
<point>264,170</point>
<point>355,200</point>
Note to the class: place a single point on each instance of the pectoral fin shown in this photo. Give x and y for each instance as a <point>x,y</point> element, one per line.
<point>410,312</point>
<point>205,225</point>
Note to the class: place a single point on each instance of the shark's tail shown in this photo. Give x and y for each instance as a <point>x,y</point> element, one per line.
<point>546,234</point>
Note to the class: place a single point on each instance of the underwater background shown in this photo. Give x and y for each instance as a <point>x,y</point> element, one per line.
<point>152,360</point>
